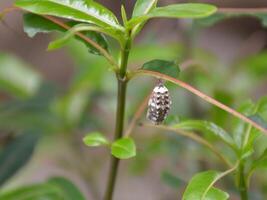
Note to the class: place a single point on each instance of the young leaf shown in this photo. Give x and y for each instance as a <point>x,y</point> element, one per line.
<point>83,11</point>
<point>123,148</point>
<point>165,67</point>
<point>34,24</point>
<point>16,154</point>
<point>95,139</point>
<point>200,187</point>
<point>17,78</point>
<point>186,10</point>
<point>143,7</point>
<point>206,127</point>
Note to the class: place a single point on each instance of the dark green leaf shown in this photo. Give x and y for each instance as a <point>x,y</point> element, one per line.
<point>34,24</point>
<point>261,162</point>
<point>187,10</point>
<point>123,148</point>
<point>57,188</point>
<point>16,154</point>
<point>33,192</point>
<point>70,191</point>
<point>171,180</point>
<point>17,78</point>
<point>200,187</point>
<point>163,66</point>
<point>206,127</point>
<point>95,139</point>
<point>81,10</point>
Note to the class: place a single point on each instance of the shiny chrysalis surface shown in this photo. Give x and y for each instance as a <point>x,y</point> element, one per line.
<point>159,104</point>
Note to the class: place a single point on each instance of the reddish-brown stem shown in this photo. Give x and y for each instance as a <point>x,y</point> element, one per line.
<point>201,95</point>
<point>137,115</point>
<point>88,40</point>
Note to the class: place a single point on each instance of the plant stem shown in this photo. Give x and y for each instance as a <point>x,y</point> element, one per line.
<point>122,86</point>
<point>242,185</point>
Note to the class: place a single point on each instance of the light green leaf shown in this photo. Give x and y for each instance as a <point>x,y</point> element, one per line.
<point>206,127</point>
<point>123,148</point>
<point>95,139</point>
<point>16,154</point>
<point>165,67</point>
<point>34,24</point>
<point>143,7</point>
<point>200,187</point>
<point>186,10</point>
<point>96,37</point>
<point>81,10</point>
<point>17,78</point>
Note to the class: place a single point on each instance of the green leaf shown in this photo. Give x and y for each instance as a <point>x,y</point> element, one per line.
<point>33,192</point>
<point>81,10</point>
<point>57,188</point>
<point>171,180</point>
<point>200,187</point>
<point>70,191</point>
<point>206,127</point>
<point>34,24</point>
<point>143,7</point>
<point>186,10</point>
<point>165,67</point>
<point>95,139</point>
<point>16,154</point>
<point>17,78</point>
<point>96,37</point>
<point>123,148</point>
<point>261,162</point>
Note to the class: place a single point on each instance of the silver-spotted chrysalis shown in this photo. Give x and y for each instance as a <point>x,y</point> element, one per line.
<point>159,104</point>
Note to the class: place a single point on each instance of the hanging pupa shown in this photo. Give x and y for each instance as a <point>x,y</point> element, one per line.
<point>159,104</point>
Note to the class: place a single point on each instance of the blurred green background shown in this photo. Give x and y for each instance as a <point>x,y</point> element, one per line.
<point>50,100</point>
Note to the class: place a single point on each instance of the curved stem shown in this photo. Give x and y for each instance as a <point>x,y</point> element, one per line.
<point>122,85</point>
<point>200,94</point>
<point>196,138</point>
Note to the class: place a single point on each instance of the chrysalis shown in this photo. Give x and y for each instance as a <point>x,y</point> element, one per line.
<point>159,104</point>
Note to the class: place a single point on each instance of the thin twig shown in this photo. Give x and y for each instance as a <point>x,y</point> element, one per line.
<point>137,116</point>
<point>201,95</point>
<point>196,138</point>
